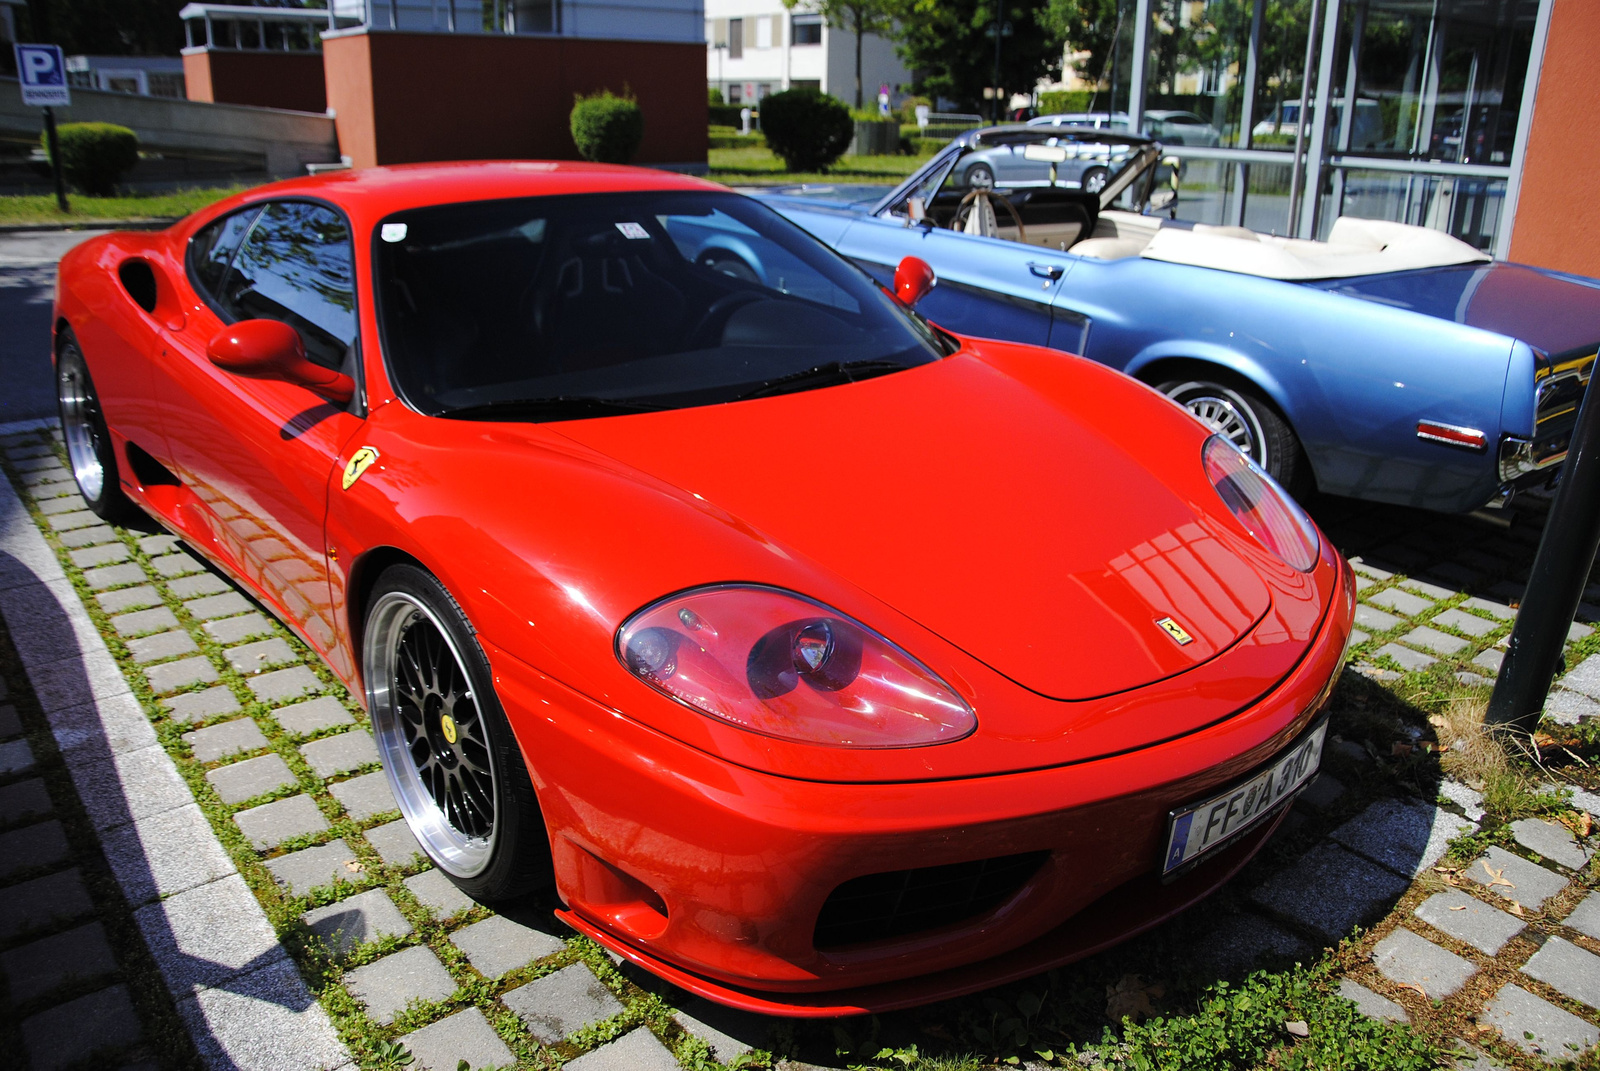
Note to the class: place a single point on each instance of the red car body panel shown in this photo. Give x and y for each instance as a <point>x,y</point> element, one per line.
<point>1015,519</point>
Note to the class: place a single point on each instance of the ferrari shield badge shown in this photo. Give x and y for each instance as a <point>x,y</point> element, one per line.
<point>1179,634</point>
<point>359,462</point>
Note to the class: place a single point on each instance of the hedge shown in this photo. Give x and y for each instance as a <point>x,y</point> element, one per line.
<point>607,128</point>
<point>807,129</point>
<point>95,156</point>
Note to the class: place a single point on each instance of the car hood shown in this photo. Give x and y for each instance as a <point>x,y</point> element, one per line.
<point>985,510</point>
<point>1553,312</point>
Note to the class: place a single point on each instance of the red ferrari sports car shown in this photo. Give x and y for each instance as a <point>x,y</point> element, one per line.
<point>823,661</point>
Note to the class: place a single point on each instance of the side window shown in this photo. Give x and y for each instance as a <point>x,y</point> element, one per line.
<point>212,250</point>
<point>297,266</point>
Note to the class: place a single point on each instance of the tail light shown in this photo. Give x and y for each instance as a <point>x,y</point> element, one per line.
<point>1260,504</point>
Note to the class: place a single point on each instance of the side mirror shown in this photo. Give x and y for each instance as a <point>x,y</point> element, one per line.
<point>912,281</point>
<point>271,349</point>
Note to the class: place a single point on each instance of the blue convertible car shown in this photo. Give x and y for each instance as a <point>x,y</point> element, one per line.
<point>1390,362</point>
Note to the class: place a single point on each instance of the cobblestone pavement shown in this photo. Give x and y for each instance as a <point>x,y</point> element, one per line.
<point>1503,951</point>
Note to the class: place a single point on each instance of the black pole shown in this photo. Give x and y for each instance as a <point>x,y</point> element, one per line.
<point>54,145</point>
<point>1555,586</point>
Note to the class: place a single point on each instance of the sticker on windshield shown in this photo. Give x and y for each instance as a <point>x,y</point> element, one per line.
<point>632,230</point>
<point>393,232</point>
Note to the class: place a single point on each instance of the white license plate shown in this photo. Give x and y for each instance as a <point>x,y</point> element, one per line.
<point>1194,830</point>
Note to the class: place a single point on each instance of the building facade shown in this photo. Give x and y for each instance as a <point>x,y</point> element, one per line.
<point>758,47</point>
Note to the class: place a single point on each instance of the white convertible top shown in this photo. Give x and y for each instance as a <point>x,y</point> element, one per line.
<point>1354,247</point>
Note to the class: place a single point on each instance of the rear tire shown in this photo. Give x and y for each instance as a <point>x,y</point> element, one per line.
<point>90,451</point>
<point>1094,179</point>
<point>1242,416</point>
<point>452,761</point>
<point>980,177</point>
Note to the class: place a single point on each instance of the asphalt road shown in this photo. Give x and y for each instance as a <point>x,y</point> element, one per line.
<point>27,283</point>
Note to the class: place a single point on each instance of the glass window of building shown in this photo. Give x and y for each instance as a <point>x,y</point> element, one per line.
<point>806,30</point>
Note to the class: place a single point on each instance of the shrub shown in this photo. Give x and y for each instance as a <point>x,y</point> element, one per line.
<point>806,128</point>
<point>1058,101</point>
<point>607,128</point>
<point>724,114</point>
<point>94,156</point>
<point>713,95</point>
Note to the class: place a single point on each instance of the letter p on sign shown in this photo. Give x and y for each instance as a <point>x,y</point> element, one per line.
<point>43,74</point>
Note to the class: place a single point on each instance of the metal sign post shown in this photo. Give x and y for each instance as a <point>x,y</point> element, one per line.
<point>1556,583</point>
<point>43,73</point>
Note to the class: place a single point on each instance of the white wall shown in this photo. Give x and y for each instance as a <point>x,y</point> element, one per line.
<point>831,63</point>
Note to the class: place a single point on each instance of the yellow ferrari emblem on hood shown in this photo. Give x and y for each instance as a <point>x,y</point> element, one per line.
<point>1176,631</point>
<point>360,462</point>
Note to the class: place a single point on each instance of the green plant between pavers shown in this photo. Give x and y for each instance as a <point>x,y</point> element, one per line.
<point>95,156</point>
<point>808,129</point>
<point>606,128</point>
<point>33,210</point>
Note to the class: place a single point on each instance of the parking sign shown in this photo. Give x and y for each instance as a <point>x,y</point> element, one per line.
<point>43,74</point>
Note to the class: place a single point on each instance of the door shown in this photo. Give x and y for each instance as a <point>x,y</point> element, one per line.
<point>259,453</point>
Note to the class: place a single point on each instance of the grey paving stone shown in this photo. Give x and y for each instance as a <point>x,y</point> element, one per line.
<point>436,892</point>
<point>1401,601</point>
<point>87,537</point>
<point>1568,968</point>
<point>170,676</point>
<point>1376,620</point>
<point>1587,801</point>
<point>1409,959</point>
<point>1357,637</point>
<point>58,897</point>
<point>728,1032</point>
<point>229,738</point>
<point>252,658</point>
<point>1432,639</point>
<point>1566,707</point>
<point>1406,837</point>
<point>340,754</point>
<point>248,779</point>
<point>1535,1025</point>
<point>364,917</point>
<point>116,723</point>
<point>189,587</point>
<point>157,545</point>
<point>1576,632</point>
<point>312,716</point>
<point>1584,677</point>
<point>1489,660</point>
<point>465,1035</point>
<point>1462,621</point>
<point>102,554</point>
<point>1329,891</point>
<point>559,1004</point>
<point>282,684</point>
<point>302,871</point>
<point>208,934</point>
<point>1531,885</point>
<point>1470,920</point>
<point>1427,590</point>
<point>38,463</point>
<point>214,606</point>
<point>1366,568</point>
<point>31,846</point>
<point>1490,606</point>
<point>10,724</point>
<point>164,854</point>
<point>162,645</point>
<point>15,757</point>
<point>62,504</point>
<point>270,824</point>
<point>1322,792</point>
<point>23,799</point>
<point>175,564</point>
<point>497,945</point>
<point>76,955</point>
<point>1553,842</point>
<point>264,1019</point>
<point>389,984</point>
<point>237,629</point>
<point>1408,659</point>
<point>1585,918</point>
<point>394,843</point>
<point>198,706</point>
<point>637,1050</point>
<point>157,620</point>
<point>65,522</point>
<point>1473,680</point>
<point>70,1033</point>
<point>365,796</point>
<point>1370,1004</point>
<point>113,576</point>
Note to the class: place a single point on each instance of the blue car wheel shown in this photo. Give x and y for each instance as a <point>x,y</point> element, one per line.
<point>1250,423</point>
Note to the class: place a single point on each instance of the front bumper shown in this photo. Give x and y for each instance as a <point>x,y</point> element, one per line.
<point>713,875</point>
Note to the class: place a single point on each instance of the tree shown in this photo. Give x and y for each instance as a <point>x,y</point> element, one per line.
<point>951,46</point>
<point>858,17</point>
<point>109,27</point>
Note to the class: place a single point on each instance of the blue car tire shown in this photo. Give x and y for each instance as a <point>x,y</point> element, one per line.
<point>1249,422</point>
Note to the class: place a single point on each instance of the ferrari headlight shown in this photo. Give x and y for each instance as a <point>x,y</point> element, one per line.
<point>780,664</point>
<point>1260,504</point>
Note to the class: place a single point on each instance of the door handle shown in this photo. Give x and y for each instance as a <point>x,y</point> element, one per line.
<point>1046,271</point>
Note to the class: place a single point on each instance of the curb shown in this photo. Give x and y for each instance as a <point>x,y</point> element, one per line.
<point>253,1014</point>
<point>157,224</point>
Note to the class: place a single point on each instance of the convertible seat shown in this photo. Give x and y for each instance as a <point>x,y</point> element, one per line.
<point>1354,247</point>
<point>1110,248</point>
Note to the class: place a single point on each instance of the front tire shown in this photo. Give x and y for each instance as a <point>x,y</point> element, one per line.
<point>451,759</point>
<point>89,448</point>
<point>1094,180</point>
<point>1247,420</point>
<point>980,177</point>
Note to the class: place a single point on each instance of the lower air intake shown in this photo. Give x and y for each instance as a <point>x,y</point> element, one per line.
<point>877,907</point>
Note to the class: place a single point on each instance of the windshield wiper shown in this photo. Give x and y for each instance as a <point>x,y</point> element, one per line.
<point>560,407</point>
<point>824,375</point>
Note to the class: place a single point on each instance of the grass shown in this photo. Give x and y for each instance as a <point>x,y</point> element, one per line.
<point>41,208</point>
<point>753,166</point>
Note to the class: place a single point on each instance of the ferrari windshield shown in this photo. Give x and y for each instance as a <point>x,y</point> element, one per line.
<point>557,307</point>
